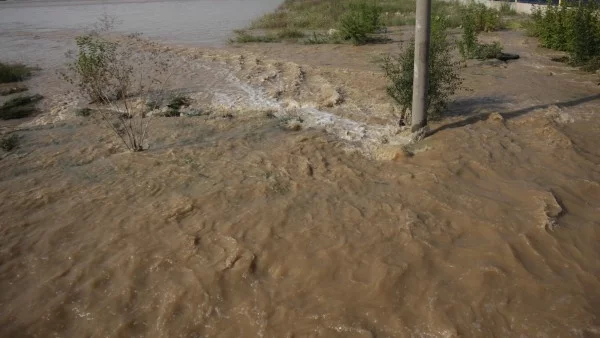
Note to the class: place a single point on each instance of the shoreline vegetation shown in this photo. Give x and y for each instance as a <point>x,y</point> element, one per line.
<point>14,72</point>
<point>335,21</point>
<point>571,27</point>
<point>19,106</point>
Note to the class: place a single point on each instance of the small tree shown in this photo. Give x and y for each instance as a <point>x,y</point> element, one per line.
<point>444,79</point>
<point>584,46</point>
<point>363,17</point>
<point>473,21</point>
<point>570,27</point>
<point>115,75</point>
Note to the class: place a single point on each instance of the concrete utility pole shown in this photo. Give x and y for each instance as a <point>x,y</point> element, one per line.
<point>421,74</point>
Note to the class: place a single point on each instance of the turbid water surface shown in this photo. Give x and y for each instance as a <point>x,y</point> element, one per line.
<point>30,27</point>
<point>231,224</point>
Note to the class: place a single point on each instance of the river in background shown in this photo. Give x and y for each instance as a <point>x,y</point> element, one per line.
<point>40,31</point>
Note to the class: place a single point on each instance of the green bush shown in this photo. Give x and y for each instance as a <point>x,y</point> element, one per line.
<point>482,18</point>
<point>475,20</point>
<point>317,39</point>
<point>584,42</point>
<point>114,73</point>
<point>8,143</point>
<point>19,107</point>
<point>242,36</point>
<point>290,33</point>
<point>361,19</point>
<point>444,79</point>
<point>573,28</point>
<point>83,112</point>
<point>178,101</point>
<point>552,26</point>
<point>96,68</point>
<point>506,9</point>
<point>13,72</point>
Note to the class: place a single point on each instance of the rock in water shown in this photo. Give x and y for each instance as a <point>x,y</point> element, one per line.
<point>507,56</point>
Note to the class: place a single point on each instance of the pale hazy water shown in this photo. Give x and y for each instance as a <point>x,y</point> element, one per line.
<point>38,31</point>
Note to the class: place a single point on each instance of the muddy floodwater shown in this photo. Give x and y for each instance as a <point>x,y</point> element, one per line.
<point>29,27</point>
<point>233,224</point>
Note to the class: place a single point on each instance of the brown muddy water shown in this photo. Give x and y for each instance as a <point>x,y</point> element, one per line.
<point>231,225</point>
<point>30,26</point>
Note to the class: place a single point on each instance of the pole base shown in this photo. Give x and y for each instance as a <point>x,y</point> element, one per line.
<point>419,134</point>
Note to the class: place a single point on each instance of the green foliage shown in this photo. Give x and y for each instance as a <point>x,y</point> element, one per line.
<point>83,112</point>
<point>301,14</point>
<point>242,36</point>
<point>8,143</point>
<point>290,33</point>
<point>95,65</point>
<point>175,103</point>
<point>13,72</point>
<point>317,39</point>
<point>326,14</point>
<point>358,18</point>
<point>584,42</point>
<point>573,28</point>
<point>444,79</point>
<point>551,26</point>
<point>362,18</point>
<point>178,101</point>
<point>476,20</point>
<point>116,72</point>
<point>481,18</point>
<point>506,9</point>
<point>19,107</point>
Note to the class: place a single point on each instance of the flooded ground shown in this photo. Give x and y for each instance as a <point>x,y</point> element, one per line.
<point>232,225</point>
<point>182,21</point>
<point>28,27</point>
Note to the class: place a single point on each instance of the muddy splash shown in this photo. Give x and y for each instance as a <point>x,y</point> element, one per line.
<point>233,225</point>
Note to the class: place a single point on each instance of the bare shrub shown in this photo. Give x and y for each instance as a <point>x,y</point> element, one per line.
<point>120,77</point>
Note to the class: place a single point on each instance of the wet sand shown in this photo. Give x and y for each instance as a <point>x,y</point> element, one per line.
<point>232,226</point>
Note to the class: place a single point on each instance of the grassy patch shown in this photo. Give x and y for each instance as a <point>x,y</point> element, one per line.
<point>175,103</point>
<point>326,14</point>
<point>477,18</point>
<point>507,9</point>
<point>8,143</point>
<point>242,36</point>
<point>290,33</point>
<point>573,27</point>
<point>356,19</point>
<point>83,112</point>
<point>361,19</point>
<point>19,107</point>
<point>179,101</point>
<point>318,39</point>
<point>13,72</point>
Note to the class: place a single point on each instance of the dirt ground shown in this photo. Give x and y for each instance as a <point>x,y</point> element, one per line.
<point>232,225</point>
